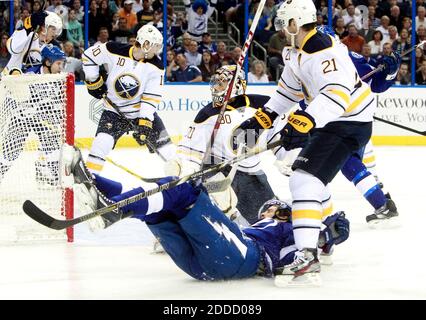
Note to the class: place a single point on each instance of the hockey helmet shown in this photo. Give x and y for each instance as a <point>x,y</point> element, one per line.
<point>220,80</point>
<point>301,11</point>
<point>52,54</point>
<point>150,40</point>
<point>283,209</point>
<point>53,20</point>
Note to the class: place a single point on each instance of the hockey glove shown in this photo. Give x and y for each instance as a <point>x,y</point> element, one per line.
<point>34,21</point>
<point>392,63</point>
<point>263,119</point>
<point>143,132</point>
<point>295,133</point>
<point>96,88</point>
<point>336,231</point>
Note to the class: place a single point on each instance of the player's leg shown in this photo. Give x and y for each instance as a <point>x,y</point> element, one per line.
<point>110,128</point>
<point>354,170</point>
<point>251,189</point>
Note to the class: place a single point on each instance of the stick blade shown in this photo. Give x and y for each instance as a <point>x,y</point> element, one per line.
<point>39,215</point>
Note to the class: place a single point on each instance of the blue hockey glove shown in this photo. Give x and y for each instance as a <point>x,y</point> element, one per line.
<point>392,64</point>
<point>336,232</point>
<point>295,133</point>
<point>263,119</point>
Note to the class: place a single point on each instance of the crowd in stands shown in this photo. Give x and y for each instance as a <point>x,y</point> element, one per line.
<point>193,54</point>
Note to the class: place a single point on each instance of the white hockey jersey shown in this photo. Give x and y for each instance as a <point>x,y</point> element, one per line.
<point>322,74</point>
<point>134,86</point>
<point>18,44</point>
<point>240,108</point>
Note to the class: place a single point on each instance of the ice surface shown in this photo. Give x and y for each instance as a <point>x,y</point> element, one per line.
<point>117,264</point>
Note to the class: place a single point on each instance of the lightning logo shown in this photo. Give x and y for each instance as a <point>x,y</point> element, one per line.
<point>222,229</point>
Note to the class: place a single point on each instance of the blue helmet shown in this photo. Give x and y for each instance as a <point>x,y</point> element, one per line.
<point>52,53</point>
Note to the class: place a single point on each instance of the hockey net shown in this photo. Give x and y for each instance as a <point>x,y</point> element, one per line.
<point>36,118</point>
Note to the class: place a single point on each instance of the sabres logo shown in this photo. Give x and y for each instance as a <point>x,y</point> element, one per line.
<point>126,86</point>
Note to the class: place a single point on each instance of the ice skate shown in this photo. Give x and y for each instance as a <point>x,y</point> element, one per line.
<point>384,217</point>
<point>302,272</point>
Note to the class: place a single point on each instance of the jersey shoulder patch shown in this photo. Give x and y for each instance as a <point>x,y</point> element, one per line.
<point>205,113</point>
<point>156,61</point>
<point>119,48</point>
<point>317,42</point>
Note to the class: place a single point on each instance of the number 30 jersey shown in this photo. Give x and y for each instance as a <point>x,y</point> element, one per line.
<point>322,74</point>
<point>135,86</point>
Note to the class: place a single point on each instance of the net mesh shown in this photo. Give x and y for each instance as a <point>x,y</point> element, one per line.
<point>33,126</point>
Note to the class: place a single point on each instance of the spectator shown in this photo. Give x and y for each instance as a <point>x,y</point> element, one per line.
<point>395,17</point>
<point>36,6</point>
<point>4,53</point>
<point>406,24</point>
<point>25,13</point>
<point>421,34</point>
<point>402,44</point>
<point>375,22</point>
<point>198,17</point>
<point>96,21</point>
<point>421,74</point>
<point>420,19</point>
<point>353,41</point>
<point>340,29</point>
<point>103,36</point>
<point>207,44</point>
<point>157,5</point>
<point>393,34</point>
<point>74,29</point>
<point>157,21</point>
<point>72,64</point>
<point>403,77</point>
<point>366,53</point>
<point>384,26</point>
<point>419,58</point>
<point>352,18</point>
<point>257,73</point>
<point>61,10</point>
<point>123,33</point>
<point>131,40</point>
<point>207,67</point>
<point>186,41</point>
<point>79,10</point>
<point>104,9</point>
<point>221,55</point>
<point>275,49</point>
<point>377,43</point>
<point>114,22</point>
<point>146,14</point>
<point>193,56</point>
<point>185,72</point>
<point>137,6</point>
<point>235,55</point>
<point>128,13</point>
<point>264,25</point>
<point>170,56</point>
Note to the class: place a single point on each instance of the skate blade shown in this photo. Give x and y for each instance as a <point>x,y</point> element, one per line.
<point>306,280</point>
<point>326,260</point>
<point>383,224</point>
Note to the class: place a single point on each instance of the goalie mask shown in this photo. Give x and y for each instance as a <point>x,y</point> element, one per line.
<point>282,212</point>
<point>220,81</point>
<point>150,40</point>
<point>301,11</point>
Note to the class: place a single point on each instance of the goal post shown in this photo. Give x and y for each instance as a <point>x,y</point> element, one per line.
<point>36,118</point>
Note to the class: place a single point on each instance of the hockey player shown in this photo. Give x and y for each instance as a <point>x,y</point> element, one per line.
<point>134,85</point>
<point>337,117</point>
<point>43,122</point>
<point>25,45</point>
<point>199,237</point>
<point>250,182</point>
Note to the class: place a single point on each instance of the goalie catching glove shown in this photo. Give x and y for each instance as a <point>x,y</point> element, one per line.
<point>295,133</point>
<point>97,88</point>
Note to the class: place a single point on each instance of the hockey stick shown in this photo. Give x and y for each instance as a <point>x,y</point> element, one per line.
<point>231,85</point>
<point>422,133</point>
<point>382,66</point>
<point>132,125</point>
<point>43,218</point>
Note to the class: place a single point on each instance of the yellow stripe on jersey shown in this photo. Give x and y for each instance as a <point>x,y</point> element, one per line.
<point>283,85</point>
<point>341,94</point>
<point>306,214</point>
<point>327,211</point>
<point>369,159</point>
<point>94,166</point>
<point>308,36</point>
<point>358,100</point>
<point>151,99</point>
